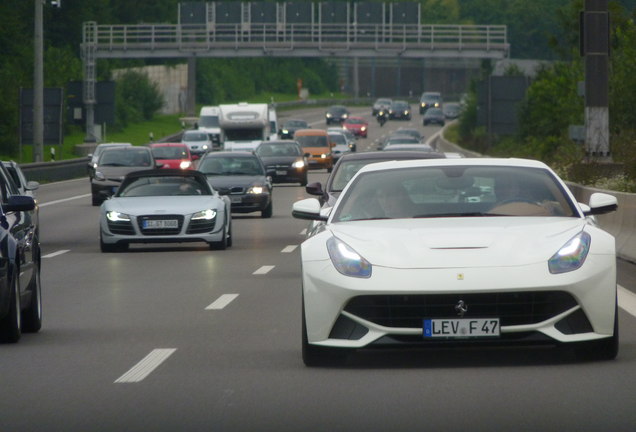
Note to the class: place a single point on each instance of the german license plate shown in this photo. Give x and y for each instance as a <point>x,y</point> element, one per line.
<point>461,327</point>
<point>161,223</point>
<point>236,199</point>
<point>281,172</point>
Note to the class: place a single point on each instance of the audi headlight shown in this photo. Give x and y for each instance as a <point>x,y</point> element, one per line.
<point>207,214</point>
<point>299,164</point>
<point>346,260</point>
<point>115,216</point>
<point>572,255</point>
<point>256,190</point>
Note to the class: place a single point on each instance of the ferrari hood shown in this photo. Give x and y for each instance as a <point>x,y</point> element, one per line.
<point>457,242</point>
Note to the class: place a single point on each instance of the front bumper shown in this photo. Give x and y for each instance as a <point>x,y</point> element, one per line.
<point>247,203</point>
<point>390,306</point>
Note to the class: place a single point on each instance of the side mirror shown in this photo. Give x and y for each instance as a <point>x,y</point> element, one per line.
<point>19,203</point>
<point>601,203</point>
<point>314,188</point>
<point>32,185</point>
<point>308,209</point>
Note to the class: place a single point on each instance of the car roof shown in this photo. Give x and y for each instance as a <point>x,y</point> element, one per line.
<point>165,144</point>
<point>166,172</point>
<point>310,132</point>
<point>509,162</point>
<point>389,154</point>
<point>230,153</point>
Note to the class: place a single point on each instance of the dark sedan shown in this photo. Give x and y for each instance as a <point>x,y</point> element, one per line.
<point>400,110</point>
<point>242,177</point>
<point>284,161</point>
<point>20,290</point>
<point>336,114</point>
<point>434,116</point>
<point>290,126</point>
<point>112,167</point>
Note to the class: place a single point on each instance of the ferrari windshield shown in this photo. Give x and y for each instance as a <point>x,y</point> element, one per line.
<point>453,191</point>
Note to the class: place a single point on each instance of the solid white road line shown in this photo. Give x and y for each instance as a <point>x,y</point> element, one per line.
<point>263,270</point>
<point>63,200</point>
<point>222,302</point>
<point>289,249</point>
<point>54,254</point>
<point>149,363</point>
<point>627,300</point>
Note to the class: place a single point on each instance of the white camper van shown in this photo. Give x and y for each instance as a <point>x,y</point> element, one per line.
<point>209,123</point>
<point>244,126</point>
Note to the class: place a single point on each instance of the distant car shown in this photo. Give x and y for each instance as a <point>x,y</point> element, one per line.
<point>380,104</point>
<point>242,177</point>
<point>410,147</point>
<point>290,126</point>
<point>357,125</point>
<point>316,143</point>
<point>400,109</point>
<point>340,144</point>
<point>20,286</point>
<point>336,114</point>
<point>284,161</point>
<point>173,155</point>
<point>434,116</point>
<point>198,142</point>
<point>430,100</point>
<point>398,139</point>
<point>451,110</point>
<point>113,165</point>
<point>93,157</point>
<point>429,253</point>
<point>412,132</point>
<point>165,206</point>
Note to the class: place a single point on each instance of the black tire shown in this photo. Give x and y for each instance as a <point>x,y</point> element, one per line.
<point>96,200</point>
<point>221,244</point>
<point>603,349</point>
<point>268,211</point>
<point>32,315</point>
<point>303,181</point>
<point>109,248</point>
<point>314,355</point>
<point>11,324</point>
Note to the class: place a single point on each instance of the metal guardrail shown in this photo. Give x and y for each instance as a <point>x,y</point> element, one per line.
<point>156,39</point>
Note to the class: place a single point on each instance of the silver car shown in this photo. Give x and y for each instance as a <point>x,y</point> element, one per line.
<point>165,205</point>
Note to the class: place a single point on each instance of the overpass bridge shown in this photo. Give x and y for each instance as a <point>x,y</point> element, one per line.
<point>255,29</point>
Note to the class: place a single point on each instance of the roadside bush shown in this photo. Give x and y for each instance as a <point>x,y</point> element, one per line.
<point>136,99</point>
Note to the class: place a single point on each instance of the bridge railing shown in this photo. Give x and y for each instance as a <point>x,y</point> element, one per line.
<point>311,35</point>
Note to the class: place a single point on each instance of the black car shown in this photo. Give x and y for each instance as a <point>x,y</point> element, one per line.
<point>336,114</point>
<point>242,177</point>
<point>290,126</point>
<point>350,164</point>
<point>400,109</point>
<point>430,100</point>
<point>434,116</point>
<point>113,165</point>
<point>94,157</point>
<point>20,289</point>
<point>379,105</point>
<point>284,161</point>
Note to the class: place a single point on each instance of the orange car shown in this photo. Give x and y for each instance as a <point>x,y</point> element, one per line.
<point>316,143</point>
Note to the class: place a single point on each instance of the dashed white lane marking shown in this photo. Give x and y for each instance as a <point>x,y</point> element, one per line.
<point>627,300</point>
<point>63,200</point>
<point>145,367</point>
<point>54,254</point>
<point>289,249</point>
<point>222,302</point>
<point>263,270</point>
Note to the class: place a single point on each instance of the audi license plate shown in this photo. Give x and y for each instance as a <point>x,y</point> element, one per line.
<point>461,327</point>
<point>160,223</point>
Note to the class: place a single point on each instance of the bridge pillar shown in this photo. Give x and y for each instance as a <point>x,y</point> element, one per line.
<point>192,87</point>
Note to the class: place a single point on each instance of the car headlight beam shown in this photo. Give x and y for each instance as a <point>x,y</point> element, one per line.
<point>256,190</point>
<point>207,214</point>
<point>572,255</point>
<point>115,216</point>
<point>346,260</point>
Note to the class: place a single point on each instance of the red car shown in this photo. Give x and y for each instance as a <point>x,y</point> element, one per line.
<point>357,125</point>
<point>172,155</point>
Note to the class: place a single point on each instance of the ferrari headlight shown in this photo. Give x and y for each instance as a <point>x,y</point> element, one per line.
<point>256,190</point>
<point>298,164</point>
<point>572,255</point>
<point>346,260</point>
<point>115,216</point>
<point>185,164</point>
<point>207,214</point>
